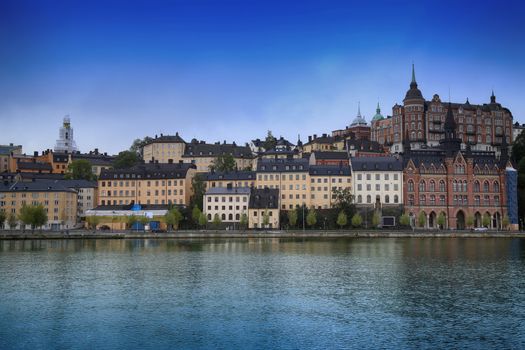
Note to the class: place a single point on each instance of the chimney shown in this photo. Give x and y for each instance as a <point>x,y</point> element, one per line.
<point>324,135</point>
<point>155,135</point>
<point>315,136</point>
<point>96,150</point>
<point>36,153</point>
<point>105,153</point>
<point>224,142</point>
<point>310,138</point>
<point>161,135</point>
<point>10,144</point>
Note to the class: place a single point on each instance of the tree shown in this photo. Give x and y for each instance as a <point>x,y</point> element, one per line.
<point>196,214</point>
<point>469,221</point>
<point>198,187</point>
<point>125,160</point>
<point>376,219</point>
<point>505,222</point>
<point>203,220</point>
<point>11,221</point>
<point>130,220</point>
<point>34,215</point>
<point>244,220</point>
<point>421,219</point>
<point>518,148</point>
<point>404,220</point>
<point>270,142</point>
<point>441,220</point>
<point>138,145</point>
<point>486,220</point>
<point>216,221</point>
<point>342,219</point>
<point>266,218</point>
<point>292,217</point>
<point>357,220</point>
<point>173,217</point>
<point>224,162</point>
<point>80,170</point>
<point>3,217</point>
<point>93,221</point>
<point>311,217</point>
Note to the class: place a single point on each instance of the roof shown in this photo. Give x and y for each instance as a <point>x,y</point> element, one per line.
<point>376,164</point>
<point>60,157</point>
<point>282,165</point>
<point>7,149</point>
<point>324,170</point>
<point>231,175</point>
<point>166,139</point>
<point>30,176</point>
<point>364,146</point>
<point>148,171</point>
<point>34,166</point>
<point>40,185</point>
<point>201,149</point>
<point>228,190</point>
<point>144,207</point>
<point>264,198</point>
<point>79,183</point>
<point>94,159</point>
<point>339,155</point>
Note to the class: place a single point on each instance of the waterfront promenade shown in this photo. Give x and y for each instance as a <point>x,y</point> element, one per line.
<point>187,234</point>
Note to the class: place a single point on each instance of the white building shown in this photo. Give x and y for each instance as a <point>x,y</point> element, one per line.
<point>229,203</point>
<point>377,181</point>
<point>66,143</point>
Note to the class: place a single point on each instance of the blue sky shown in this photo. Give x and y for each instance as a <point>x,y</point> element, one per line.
<point>230,70</point>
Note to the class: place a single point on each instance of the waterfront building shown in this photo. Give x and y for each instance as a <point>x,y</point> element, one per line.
<point>228,203</point>
<point>151,183</point>
<point>237,178</point>
<point>58,199</point>
<point>5,153</point>
<point>324,180</point>
<point>86,195</point>
<point>263,202</point>
<point>66,142</point>
<point>378,181</point>
<point>459,184</point>
<point>422,122</point>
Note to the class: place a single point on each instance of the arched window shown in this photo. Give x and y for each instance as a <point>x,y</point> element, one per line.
<point>432,186</point>
<point>411,199</point>
<point>476,186</point>
<point>368,199</point>
<point>209,217</point>
<point>486,200</point>
<point>413,135</point>
<point>387,199</point>
<point>432,200</point>
<point>422,186</point>
<point>496,186</point>
<point>486,186</point>
<point>454,186</point>
<point>396,198</point>
<point>477,201</point>
<point>237,216</point>
<point>442,186</point>
<point>422,199</point>
<point>442,200</point>
<point>223,217</point>
<point>410,186</point>
<point>419,135</point>
<point>496,200</point>
<point>230,217</point>
<point>359,199</point>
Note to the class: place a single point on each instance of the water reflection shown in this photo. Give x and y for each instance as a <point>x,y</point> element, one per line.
<point>263,293</point>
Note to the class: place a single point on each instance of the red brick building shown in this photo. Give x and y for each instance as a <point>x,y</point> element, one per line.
<point>461,185</point>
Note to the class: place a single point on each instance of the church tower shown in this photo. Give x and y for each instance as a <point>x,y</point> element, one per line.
<point>65,142</point>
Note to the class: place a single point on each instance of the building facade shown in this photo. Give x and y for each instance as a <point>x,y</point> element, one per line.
<point>227,203</point>
<point>5,153</point>
<point>263,202</point>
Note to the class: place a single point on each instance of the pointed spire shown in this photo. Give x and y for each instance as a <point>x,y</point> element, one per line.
<point>378,109</point>
<point>413,74</point>
<point>492,97</point>
<point>358,108</point>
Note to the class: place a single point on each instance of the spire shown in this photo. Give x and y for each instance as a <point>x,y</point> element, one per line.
<point>413,93</point>
<point>492,97</point>
<point>450,123</point>
<point>358,108</point>
<point>413,74</point>
<point>378,109</point>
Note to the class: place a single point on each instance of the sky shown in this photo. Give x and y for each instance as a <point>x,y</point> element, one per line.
<point>231,70</point>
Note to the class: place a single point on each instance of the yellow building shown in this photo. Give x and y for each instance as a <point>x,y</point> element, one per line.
<point>59,201</point>
<point>47,162</point>
<point>264,202</point>
<point>164,149</point>
<point>321,143</point>
<point>98,161</point>
<point>5,153</point>
<point>204,154</point>
<point>146,184</point>
<point>324,180</point>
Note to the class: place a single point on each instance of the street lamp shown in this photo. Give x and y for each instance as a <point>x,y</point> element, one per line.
<point>303,217</point>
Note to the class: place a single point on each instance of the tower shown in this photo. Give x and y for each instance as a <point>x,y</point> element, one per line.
<point>414,114</point>
<point>451,144</point>
<point>65,142</point>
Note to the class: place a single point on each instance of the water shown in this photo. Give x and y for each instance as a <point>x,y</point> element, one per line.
<point>263,294</point>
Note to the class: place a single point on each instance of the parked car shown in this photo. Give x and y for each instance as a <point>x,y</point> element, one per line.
<point>104,228</point>
<point>481,229</point>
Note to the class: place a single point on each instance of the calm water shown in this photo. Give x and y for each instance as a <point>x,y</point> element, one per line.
<point>263,294</point>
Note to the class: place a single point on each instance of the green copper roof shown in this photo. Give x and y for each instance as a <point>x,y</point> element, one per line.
<point>378,115</point>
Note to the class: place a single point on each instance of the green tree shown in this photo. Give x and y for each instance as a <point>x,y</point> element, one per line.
<point>172,218</point>
<point>270,141</point>
<point>469,221</point>
<point>518,148</point>
<point>130,220</point>
<point>505,222</point>
<point>34,215</point>
<point>486,220</point>
<point>343,198</point>
<point>3,217</point>
<point>198,187</point>
<point>216,221</point>
<point>266,219</point>
<point>125,160</point>
<point>422,219</point>
<point>93,221</point>
<point>203,220</point>
<point>196,214</point>
<point>80,170</point>
<point>441,220</point>
<point>292,217</point>
<point>138,145</point>
<point>224,162</point>
<point>376,219</point>
<point>404,220</point>
<point>342,219</point>
<point>11,221</point>
<point>357,220</point>
<point>244,220</point>
<point>311,217</point>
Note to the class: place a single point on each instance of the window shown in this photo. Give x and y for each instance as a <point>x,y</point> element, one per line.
<point>368,199</point>
<point>359,199</point>
<point>396,198</point>
<point>387,199</point>
<point>432,186</point>
<point>486,186</point>
<point>476,200</point>
<point>411,199</point>
<point>476,186</point>
<point>496,186</point>
<point>422,199</point>
<point>496,200</point>
<point>442,200</point>
<point>422,186</point>
<point>410,186</point>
